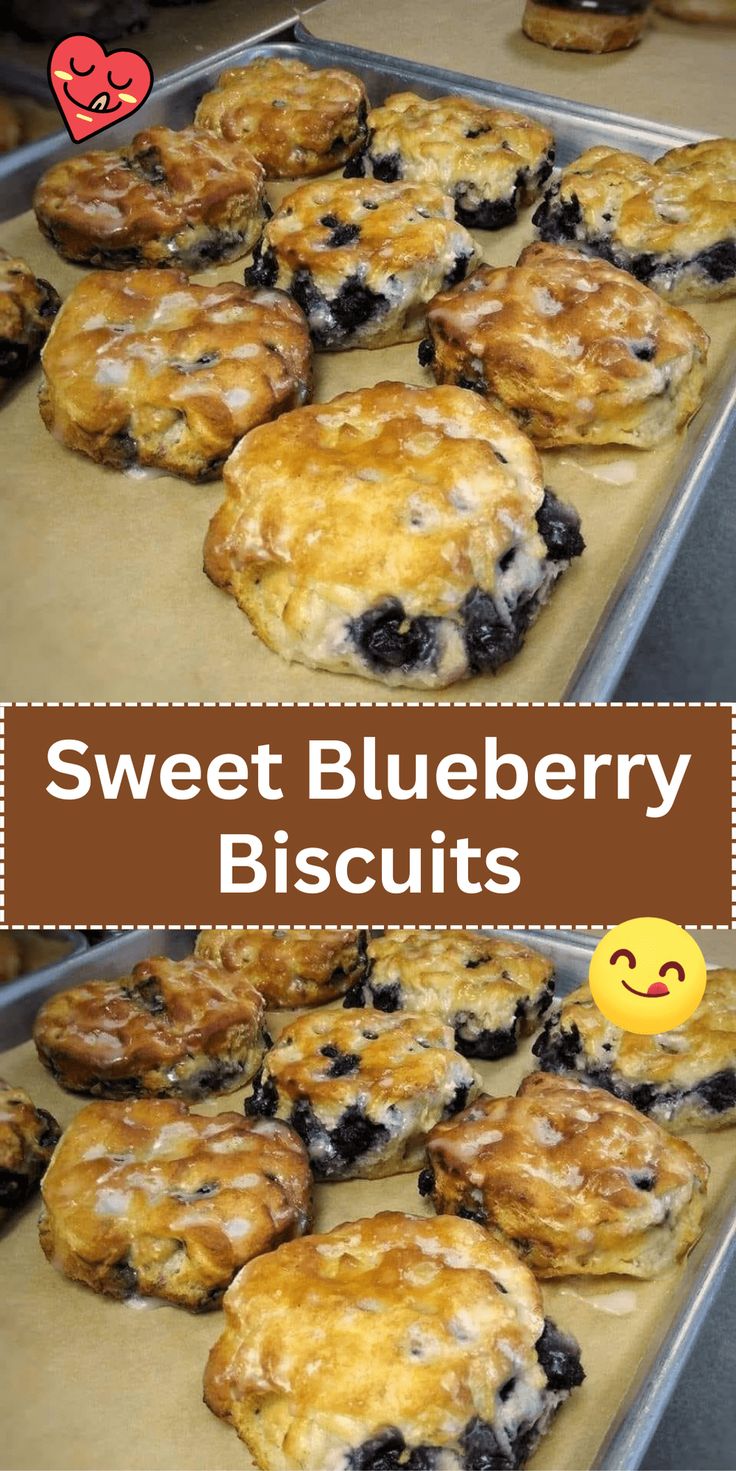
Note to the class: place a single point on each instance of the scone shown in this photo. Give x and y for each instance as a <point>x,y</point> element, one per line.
<point>491,160</point>
<point>576,350</point>
<point>363,1089</point>
<point>28,305</point>
<point>164,199</point>
<point>363,259</point>
<point>11,130</point>
<point>150,368</point>
<point>146,1199</point>
<point>579,25</point>
<point>28,1137</point>
<point>10,956</point>
<point>671,223</point>
<point>402,534</point>
<point>577,1181</point>
<point>297,121</point>
<point>685,1079</point>
<point>491,991</point>
<point>390,1342</point>
<point>171,1027</point>
<point>290,967</point>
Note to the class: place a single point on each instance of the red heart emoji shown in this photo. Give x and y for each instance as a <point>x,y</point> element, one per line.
<point>94,88</point>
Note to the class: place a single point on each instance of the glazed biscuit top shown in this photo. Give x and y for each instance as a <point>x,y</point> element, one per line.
<point>679,205</point>
<point>161,1012</point>
<point>21,295</point>
<point>703,1046</point>
<point>391,489</point>
<point>20,1124</point>
<point>458,970</point>
<point>275,959</point>
<point>150,188</point>
<point>289,114</point>
<point>448,139</point>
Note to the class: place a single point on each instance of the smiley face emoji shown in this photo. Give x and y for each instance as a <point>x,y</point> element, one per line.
<point>647,975</point>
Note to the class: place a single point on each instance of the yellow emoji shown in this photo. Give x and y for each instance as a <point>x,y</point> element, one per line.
<point>647,975</point>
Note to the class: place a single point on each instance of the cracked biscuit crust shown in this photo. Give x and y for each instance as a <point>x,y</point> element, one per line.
<point>165,199</point>
<point>671,223</point>
<point>28,305</point>
<point>28,1137</point>
<point>397,533</point>
<point>386,1342</point>
<point>290,967</point>
<point>184,1027</point>
<point>685,1079</point>
<point>363,258</point>
<point>150,368</point>
<point>492,992</point>
<point>577,350</point>
<point>363,1089</point>
<point>147,1199</point>
<point>295,120</point>
<point>491,160</point>
<point>576,1180</point>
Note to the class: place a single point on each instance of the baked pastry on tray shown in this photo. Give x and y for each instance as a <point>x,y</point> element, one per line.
<point>491,991</point>
<point>671,223</point>
<point>576,350</point>
<point>296,120</point>
<point>577,1181</point>
<point>491,160</point>
<point>28,305</point>
<point>363,1089</point>
<point>390,1342</point>
<point>28,1137</point>
<point>397,533</point>
<point>171,1027</point>
<point>290,967</point>
<point>165,199</point>
<point>150,368</point>
<point>147,1199</point>
<point>685,1079</point>
<point>363,258</point>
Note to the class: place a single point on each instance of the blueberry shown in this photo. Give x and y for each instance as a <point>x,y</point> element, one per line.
<point>345,1064</point>
<point>355,168</point>
<point>492,214</point>
<point>355,1134</point>
<point>264,1099</point>
<point>558,1051</point>
<point>386,998</point>
<point>466,1214</point>
<point>426,1181</point>
<point>265,268</point>
<point>426,352</point>
<point>488,1044</point>
<point>644,1181</point>
<point>14,1188</point>
<point>342,234</point>
<point>719,262</point>
<point>149,164</point>
<point>490,639</point>
<point>458,271</point>
<point>557,218</point>
<point>559,1356</point>
<point>123,1279</point>
<point>644,351</point>
<point>387,168</point>
<point>355,304</point>
<point>559,528</point>
<point>459,1099</point>
<point>149,995</point>
<point>388,639</point>
<point>355,996</point>
<point>719,1092</point>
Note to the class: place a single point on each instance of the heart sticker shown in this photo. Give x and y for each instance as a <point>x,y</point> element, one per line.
<point>94,88</point>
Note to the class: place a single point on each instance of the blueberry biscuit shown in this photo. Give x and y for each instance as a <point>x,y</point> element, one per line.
<point>290,967</point>
<point>363,1089</point>
<point>576,1180</point>
<point>685,1079</point>
<point>28,305</point>
<point>165,199</point>
<point>28,1137</point>
<point>397,533</point>
<point>492,992</point>
<point>150,368</point>
<point>671,223</point>
<point>184,1027</point>
<point>147,1199</point>
<point>363,259</point>
<point>492,161</point>
<point>295,120</point>
<point>576,350</point>
<point>390,1342</point>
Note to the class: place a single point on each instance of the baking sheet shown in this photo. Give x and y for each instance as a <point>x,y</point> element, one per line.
<point>121,1388</point>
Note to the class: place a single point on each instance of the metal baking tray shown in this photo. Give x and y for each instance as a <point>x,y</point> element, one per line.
<point>691,1291</point>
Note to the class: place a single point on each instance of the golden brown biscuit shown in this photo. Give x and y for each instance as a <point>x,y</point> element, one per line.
<point>491,160</point>
<point>297,121</point>
<point>165,199</point>
<point>577,1181</point>
<point>11,127</point>
<point>571,25</point>
<point>184,1027</point>
<point>290,967</point>
<point>363,259</point>
<point>398,533</point>
<point>150,368</point>
<point>671,223</point>
<point>576,350</point>
<point>147,1199</point>
<point>685,1079</point>
<point>386,1342</point>
<point>10,957</point>
<point>28,1137</point>
<point>363,1089</point>
<point>28,305</point>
